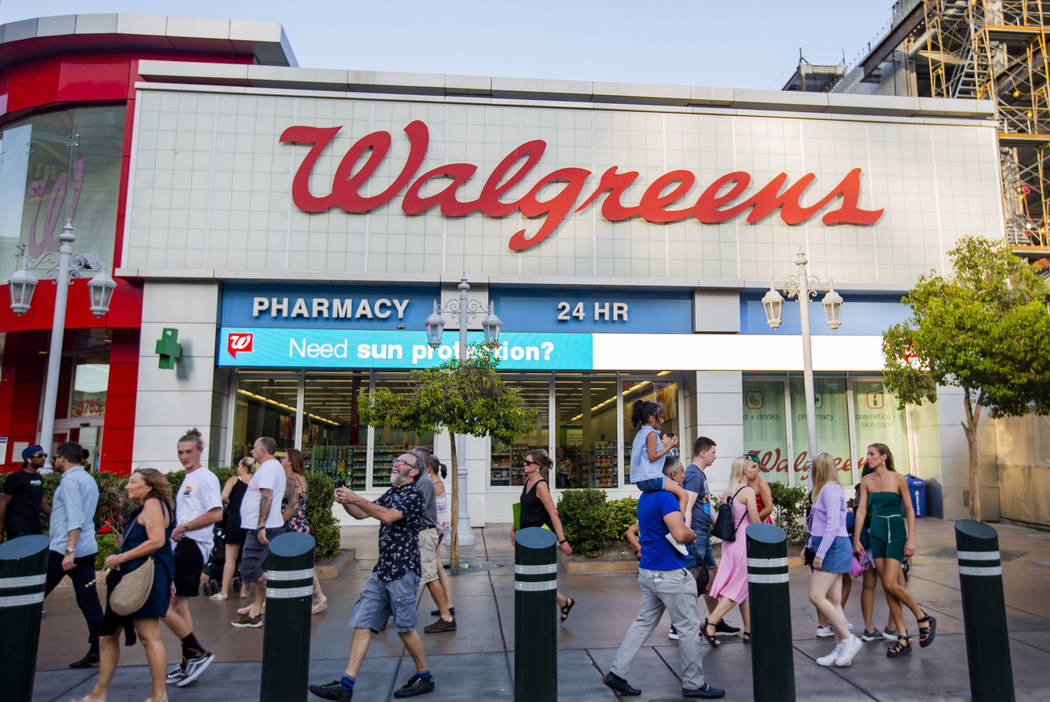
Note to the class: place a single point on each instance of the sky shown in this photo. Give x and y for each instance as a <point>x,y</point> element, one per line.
<point>741,44</point>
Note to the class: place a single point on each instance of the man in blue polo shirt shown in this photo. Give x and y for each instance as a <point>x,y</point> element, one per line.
<point>666,584</point>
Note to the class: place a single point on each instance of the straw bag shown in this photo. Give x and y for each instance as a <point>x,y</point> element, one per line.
<point>131,593</point>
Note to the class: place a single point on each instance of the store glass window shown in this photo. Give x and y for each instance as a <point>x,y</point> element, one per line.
<point>586,430</point>
<point>765,430</point>
<point>90,381</point>
<point>334,441</point>
<point>879,421</point>
<point>658,389</point>
<point>390,441</point>
<point>507,461</point>
<point>832,420</point>
<point>265,406</point>
<point>56,165</point>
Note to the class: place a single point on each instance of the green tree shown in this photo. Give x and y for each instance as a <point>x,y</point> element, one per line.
<point>985,330</point>
<point>461,396</point>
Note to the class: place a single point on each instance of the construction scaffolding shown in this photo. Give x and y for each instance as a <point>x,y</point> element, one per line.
<point>996,50</point>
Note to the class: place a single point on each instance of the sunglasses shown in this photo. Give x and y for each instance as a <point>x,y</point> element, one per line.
<point>39,455</point>
<point>531,463</point>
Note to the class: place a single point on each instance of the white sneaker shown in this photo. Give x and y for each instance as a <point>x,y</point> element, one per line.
<point>849,650</point>
<point>831,657</point>
<point>673,634</point>
<point>825,632</point>
<point>681,548</point>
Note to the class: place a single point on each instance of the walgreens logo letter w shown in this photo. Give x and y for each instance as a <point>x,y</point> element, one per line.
<point>239,343</point>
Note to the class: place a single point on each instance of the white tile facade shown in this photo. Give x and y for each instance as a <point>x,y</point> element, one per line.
<point>211,190</point>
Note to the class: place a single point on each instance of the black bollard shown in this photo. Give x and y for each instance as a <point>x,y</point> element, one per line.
<point>286,639</point>
<point>772,657</point>
<point>23,573</point>
<point>535,628</point>
<point>984,612</point>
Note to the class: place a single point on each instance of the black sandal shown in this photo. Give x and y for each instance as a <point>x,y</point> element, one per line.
<point>567,608</point>
<point>902,647</point>
<point>747,637</point>
<point>710,637</point>
<point>926,633</point>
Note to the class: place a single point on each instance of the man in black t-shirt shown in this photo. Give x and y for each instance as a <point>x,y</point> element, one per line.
<point>22,499</point>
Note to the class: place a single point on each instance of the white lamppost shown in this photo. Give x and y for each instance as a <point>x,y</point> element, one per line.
<point>462,310</point>
<point>802,287</point>
<point>21,286</point>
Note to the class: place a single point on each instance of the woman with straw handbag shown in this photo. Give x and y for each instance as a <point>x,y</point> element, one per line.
<point>144,547</point>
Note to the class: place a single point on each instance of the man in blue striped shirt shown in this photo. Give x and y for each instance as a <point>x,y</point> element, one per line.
<point>73,547</point>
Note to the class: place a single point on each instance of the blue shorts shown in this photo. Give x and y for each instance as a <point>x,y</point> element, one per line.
<point>651,485</point>
<point>701,548</point>
<point>379,599</point>
<point>839,557</point>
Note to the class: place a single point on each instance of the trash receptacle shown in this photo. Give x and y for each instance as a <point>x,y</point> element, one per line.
<point>917,490</point>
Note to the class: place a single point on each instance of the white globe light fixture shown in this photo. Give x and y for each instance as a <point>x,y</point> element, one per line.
<point>21,286</point>
<point>101,288</point>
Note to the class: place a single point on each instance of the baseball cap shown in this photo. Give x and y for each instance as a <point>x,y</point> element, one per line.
<point>29,451</point>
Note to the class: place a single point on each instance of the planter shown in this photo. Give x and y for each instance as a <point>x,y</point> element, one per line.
<point>615,558</point>
<point>332,568</point>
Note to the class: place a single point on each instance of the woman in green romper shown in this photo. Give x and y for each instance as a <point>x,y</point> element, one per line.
<point>883,492</point>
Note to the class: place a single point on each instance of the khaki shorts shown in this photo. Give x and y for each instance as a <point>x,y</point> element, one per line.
<point>428,544</point>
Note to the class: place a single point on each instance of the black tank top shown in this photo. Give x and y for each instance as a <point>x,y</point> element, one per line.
<point>533,513</point>
<point>233,510</point>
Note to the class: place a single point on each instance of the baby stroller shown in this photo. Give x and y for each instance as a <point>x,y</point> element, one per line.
<point>217,561</point>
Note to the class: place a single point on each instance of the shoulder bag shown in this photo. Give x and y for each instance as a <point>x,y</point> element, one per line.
<point>131,593</point>
<point>724,527</point>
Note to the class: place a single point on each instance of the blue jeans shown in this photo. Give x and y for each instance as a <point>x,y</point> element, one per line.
<point>701,548</point>
<point>650,485</point>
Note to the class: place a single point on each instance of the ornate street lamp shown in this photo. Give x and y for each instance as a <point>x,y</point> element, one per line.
<point>802,287</point>
<point>462,310</point>
<point>21,286</point>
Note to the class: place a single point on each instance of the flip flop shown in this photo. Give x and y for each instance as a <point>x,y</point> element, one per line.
<point>567,608</point>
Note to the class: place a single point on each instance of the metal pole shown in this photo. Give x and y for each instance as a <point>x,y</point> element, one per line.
<point>58,327</point>
<point>807,352</point>
<point>772,656</point>
<point>23,573</point>
<point>984,611</point>
<point>286,638</point>
<point>535,629</point>
<point>465,533</point>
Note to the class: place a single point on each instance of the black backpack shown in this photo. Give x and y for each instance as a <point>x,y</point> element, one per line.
<point>724,527</point>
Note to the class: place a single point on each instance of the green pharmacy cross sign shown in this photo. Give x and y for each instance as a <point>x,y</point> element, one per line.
<point>168,348</point>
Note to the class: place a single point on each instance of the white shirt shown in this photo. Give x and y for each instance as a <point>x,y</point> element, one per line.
<point>268,476</point>
<point>198,494</point>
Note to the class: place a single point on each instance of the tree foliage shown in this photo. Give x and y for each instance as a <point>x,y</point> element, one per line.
<point>986,329</point>
<point>463,396</point>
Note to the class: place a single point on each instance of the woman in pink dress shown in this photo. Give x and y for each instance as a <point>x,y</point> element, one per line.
<point>730,584</point>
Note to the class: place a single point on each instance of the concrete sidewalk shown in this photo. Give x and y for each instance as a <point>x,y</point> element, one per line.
<point>477,660</point>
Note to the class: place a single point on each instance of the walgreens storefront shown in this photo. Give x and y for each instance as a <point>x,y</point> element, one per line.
<point>302,223</point>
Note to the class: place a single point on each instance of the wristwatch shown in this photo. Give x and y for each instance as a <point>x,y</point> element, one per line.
<point>563,541</point>
<point>70,551</point>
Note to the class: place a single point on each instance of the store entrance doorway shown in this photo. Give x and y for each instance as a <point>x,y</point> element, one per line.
<point>86,431</point>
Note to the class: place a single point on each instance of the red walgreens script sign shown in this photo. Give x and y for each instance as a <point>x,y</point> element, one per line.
<point>719,201</point>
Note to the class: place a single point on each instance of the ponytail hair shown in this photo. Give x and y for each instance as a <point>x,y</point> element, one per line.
<point>193,435</point>
<point>542,459</point>
<point>442,470</point>
<point>886,454</point>
<point>642,410</point>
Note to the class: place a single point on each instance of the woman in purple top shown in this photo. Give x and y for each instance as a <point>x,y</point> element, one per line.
<point>828,538</point>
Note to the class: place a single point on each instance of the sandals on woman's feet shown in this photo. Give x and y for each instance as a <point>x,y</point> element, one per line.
<point>569,604</point>
<point>710,637</point>
<point>926,633</point>
<point>747,637</point>
<point>902,647</point>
